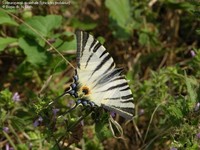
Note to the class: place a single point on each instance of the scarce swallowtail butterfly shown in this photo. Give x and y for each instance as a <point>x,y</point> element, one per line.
<point>96,81</point>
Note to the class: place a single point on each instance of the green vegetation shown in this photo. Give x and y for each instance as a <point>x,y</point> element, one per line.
<point>156,42</point>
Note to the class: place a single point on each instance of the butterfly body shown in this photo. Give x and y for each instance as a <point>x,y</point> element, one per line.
<point>96,81</point>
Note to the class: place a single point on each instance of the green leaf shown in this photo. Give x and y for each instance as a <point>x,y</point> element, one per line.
<point>3,115</point>
<point>121,18</point>
<point>5,98</point>
<point>190,82</point>
<point>34,135</point>
<point>83,25</point>
<point>188,6</point>
<point>17,122</point>
<point>42,25</point>
<point>198,31</point>
<point>143,38</point>
<point>175,111</point>
<point>22,147</point>
<point>65,45</point>
<point>4,42</point>
<point>6,19</point>
<point>101,128</point>
<point>35,54</point>
<point>101,39</point>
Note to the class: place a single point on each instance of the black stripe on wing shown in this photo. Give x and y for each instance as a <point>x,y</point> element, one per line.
<point>127,96</point>
<point>127,113</point>
<point>82,38</point>
<point>112,65</point>
<point>94,45</point>
<point>111,78</point>
<point>116,86</point>
<point>89,60</point>
<point>102,63</point>
<point>78,54</point>
<point>110,75</point>
<point>85,37</point>
<point>103,54</point>
<point>127,101</point>
<point>127,88</point>
<point>122,98</point>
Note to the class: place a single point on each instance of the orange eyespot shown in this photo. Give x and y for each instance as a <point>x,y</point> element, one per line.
<point>85,90</point>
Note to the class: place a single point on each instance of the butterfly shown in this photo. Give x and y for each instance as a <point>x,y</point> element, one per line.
<point>97,82</point>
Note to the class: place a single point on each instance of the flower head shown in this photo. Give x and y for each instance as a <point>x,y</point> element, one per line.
<point>197,106</point>
<point>55,110</point>
<point>8,147</point>
<point>198,135</point>
<point>71,103</point>
<point>5,129</point>
<point>16,97</point>
<point>82,122</point>
<point>37,121</point>
<point>141,111</point>
<point>113,114</point>
<point>192,53</point>
<point>40,119</point>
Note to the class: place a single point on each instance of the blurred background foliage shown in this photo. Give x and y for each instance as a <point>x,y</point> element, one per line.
<point>155,41</point>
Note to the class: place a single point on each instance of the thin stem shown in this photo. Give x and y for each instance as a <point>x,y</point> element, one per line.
<point>13,131</point>
<point>56,99</point>
<point>151,121</point>
<point>157,136</point>
<point>10,141</point>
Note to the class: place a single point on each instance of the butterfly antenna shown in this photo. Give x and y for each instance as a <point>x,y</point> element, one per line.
<point>56,99</point>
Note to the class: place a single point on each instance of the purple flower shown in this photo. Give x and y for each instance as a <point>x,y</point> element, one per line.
<point>198,135</point>
<point>16,97</point>
<point>173,148</point>
<point>8,147</point>
<point>5,129</point>
<point>40,119</point>
<point>141,111</point>
<point>37,121</point>
<point>82,122</point>
<point>71,103</point>
<point>113,114</point>
<point>192,53</point>
<point>55,110</point>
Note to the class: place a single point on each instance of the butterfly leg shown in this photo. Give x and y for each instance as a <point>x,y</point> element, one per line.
<point>86,102</point>
<point>83,102</point>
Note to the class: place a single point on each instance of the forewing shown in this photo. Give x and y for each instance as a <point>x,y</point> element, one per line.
<point>93,60</point>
